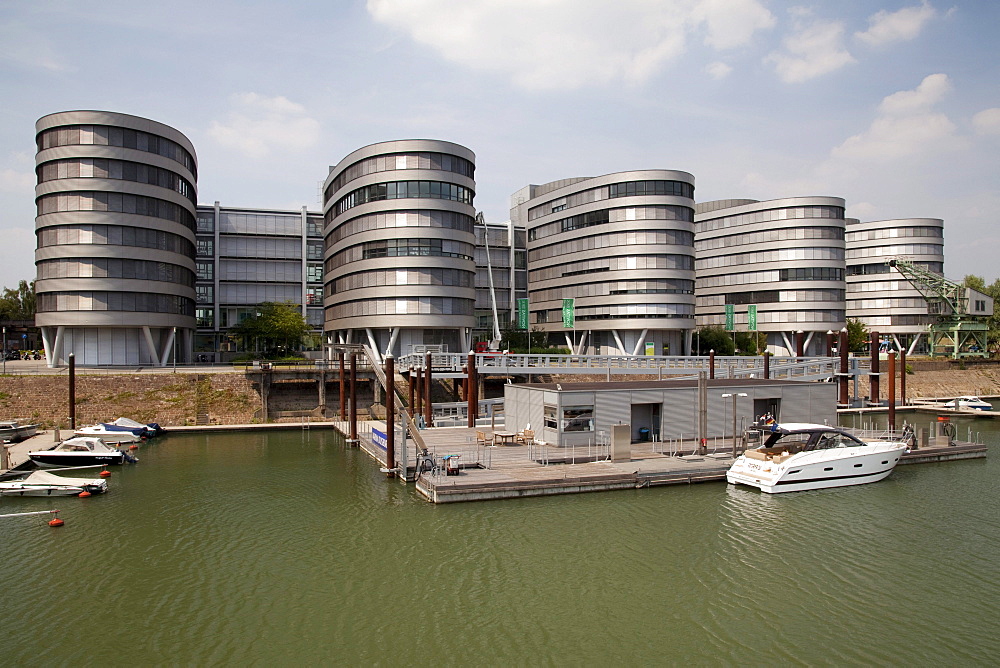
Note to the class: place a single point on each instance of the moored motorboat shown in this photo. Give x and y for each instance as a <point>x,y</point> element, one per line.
<point>150,429</point>
<point>80,451</point>
<point>44,483</point>
<point>969,402</point>
<point>801,456</point>
<point>14,431</point>
<point>111,435</point>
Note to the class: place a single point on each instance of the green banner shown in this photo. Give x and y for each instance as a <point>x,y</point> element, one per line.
<point>730,317</point>
<point>522,314</point>
<point>751,317</point>
<point>568,313</point>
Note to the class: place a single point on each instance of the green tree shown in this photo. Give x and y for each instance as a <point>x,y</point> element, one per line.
<point>275,329</point>
<point>857,336</point>
<point>18,303</point>
<point>714,338</point>
<point>751,343</point>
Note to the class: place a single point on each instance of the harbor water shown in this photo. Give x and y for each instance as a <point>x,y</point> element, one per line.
<point>291,549</point>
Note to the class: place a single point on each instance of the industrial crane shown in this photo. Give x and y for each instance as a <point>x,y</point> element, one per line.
<point>960,313</point>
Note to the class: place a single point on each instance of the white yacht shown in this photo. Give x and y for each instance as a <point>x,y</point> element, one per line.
<point>800,456</point>
<point>971,402</point>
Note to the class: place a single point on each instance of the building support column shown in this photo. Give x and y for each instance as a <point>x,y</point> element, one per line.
<point>150,346</point>
<point>640,341</point>
<point>618,341</point>
<point>393,334</point>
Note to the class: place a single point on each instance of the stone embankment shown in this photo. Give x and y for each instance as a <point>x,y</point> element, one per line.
<point>169,399</point>
<point>231,398</point>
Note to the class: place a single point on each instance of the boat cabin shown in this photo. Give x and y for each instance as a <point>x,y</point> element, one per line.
<point>785,442</point>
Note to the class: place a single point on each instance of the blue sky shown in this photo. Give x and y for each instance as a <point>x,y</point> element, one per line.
<point>893,105</point>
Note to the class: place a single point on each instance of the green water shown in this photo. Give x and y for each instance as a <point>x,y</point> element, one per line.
<point>289,549</point>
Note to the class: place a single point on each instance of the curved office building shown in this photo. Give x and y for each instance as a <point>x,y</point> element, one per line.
<point>877,294</point>
<point>399,250</point>
<point>115,255</point>
<point>621,246</point>
<point>786,256</point>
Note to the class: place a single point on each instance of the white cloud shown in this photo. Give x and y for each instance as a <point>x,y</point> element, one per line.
<point>564,44</point>
<point>12,181</point>
<point>888,27</point>
<point>987,122</point>
<point>718,70</point>
<point>906,126</point>
<point>811,51</point>
<point>260,124</point>
<point>25,46</point>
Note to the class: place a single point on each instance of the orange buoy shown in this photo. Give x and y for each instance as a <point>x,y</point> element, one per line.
<point>56,522</point>
<point>133,447</point>
<point>105,473</point>
<point>84,494</point>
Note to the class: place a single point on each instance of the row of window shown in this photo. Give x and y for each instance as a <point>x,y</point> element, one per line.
<point>887,303</point>
<point>444,162</point>
<point>771,236</point>
<point>378,192</point>
<point>604,216</point>
<point>278,248</point>
<point>780,255</point>
<point>402,306</point>
<point>115,235</point>
<point>118,202</point>
<point>116,268</point>
<point>769,216</point>
<point>401,248</point>
<point>648,287</point>
<point>624,189</point>
<point>893,251</point>
<point>771,276</point>
<point>613,239</point>
<point>882,286</point>
<point>105,135</point>
<point>659,261</point>
<point>895,233</point>
<point>425,276</point>
<point>620,312</point>
<point>49,302</point>
<point>122,170</point>
<point>884,268</point>
<point>784,317</point>
<point>268,224</point>
<point>895,321</point>
<point>398,219</point>
<point>255,293</point>
<point>264,271</point>
<point>772,297</point>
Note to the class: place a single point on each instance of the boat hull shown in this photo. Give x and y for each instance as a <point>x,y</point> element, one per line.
<point>818,470</point>
<point>60,459</point>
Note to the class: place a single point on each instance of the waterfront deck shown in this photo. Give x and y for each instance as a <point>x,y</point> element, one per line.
<point>513,471</point>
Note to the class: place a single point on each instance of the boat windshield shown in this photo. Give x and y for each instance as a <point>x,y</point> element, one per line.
<point>834,440</point>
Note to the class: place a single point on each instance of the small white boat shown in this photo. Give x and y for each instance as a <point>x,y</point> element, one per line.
<point>43,483</point>
<point>14,431</point>
<point>801,456</point>
<point>969,402</point>
<point>79,451</point>
<point>149,429</point>
<point>107,435</point>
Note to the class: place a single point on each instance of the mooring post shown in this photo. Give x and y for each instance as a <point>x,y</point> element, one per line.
<point>767,365</point>
<point>418,384</point>
<point>353,413</point>
<point>390,416</point>
<point>902,375</point>
<point>409,388</point>
<point>471,387</point>
<point>874,345</point>
<point>343,393</point>
<point>892,391</point>
<point>829,343</point>
<point>842,349</point>
<point>428,404</point>
<point>800,340</point>
<point>711,363</point>
<point>72,391</point>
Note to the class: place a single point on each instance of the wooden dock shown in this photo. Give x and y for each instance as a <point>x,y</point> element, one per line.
<point>514,471</point>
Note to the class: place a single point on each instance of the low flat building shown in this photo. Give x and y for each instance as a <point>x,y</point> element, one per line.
<point>565,414</point>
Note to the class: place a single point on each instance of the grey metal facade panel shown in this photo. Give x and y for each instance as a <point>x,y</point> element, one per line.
<point>112,118</point>
<point>399,146</point>
<point>680,413</point>
<point>611,408</point>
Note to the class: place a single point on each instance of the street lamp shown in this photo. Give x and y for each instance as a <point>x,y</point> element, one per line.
<point>734,395</point>
<point>5,351</point>
<point>175,349</point>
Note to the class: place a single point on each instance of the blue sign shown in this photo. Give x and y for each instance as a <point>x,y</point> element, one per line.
<point>379,438</point>
<point>24,336</point>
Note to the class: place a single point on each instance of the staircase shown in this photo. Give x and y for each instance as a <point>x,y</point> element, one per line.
<point>202,386</point>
